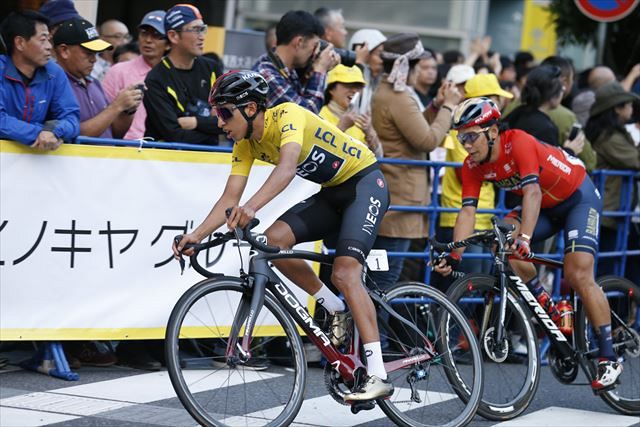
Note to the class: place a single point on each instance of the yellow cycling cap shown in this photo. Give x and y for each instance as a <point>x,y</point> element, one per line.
<point>342,74</point>
<point>484,85</point>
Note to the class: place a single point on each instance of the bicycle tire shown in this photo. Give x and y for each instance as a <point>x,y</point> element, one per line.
<point>624,299</point>
<point>433,305</point>
<point>237,395</point>
<point>510,397</point>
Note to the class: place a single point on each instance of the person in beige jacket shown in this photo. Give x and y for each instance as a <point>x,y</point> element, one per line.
<point>405,133</point>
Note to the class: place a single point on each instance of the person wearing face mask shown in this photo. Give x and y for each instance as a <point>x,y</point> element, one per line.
<point>298,47</point>
<point>344,86</point>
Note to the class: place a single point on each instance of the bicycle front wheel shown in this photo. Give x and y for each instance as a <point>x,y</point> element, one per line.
<point>265,390</point>
<point>512,366</point>
<point>624,300</point>
<point>424,393</point>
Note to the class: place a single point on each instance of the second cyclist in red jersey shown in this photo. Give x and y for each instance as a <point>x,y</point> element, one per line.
<point>524,160</point>
<point>556,195</point>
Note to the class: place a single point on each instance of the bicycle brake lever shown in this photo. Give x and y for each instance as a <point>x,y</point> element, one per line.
<point>181,260</point>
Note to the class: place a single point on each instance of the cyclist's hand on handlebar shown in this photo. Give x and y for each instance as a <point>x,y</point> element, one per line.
<point>520,247</point>
<point>178,249</point>
<point>447,264</point>
<point>240,216</point>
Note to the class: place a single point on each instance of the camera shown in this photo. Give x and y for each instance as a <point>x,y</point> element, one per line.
<point>347,57</point>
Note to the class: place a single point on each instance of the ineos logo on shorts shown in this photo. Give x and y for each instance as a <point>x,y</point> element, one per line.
<point>380,182</point>
<point>371,218</point>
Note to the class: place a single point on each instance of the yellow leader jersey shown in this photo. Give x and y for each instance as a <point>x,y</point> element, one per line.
<point>452,188</point>
<point>328,157</point>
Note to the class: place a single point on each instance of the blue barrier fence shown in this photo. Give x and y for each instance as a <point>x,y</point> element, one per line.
<point>625,212</point>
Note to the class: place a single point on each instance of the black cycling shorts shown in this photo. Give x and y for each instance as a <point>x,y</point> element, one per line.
<point>578,215</point>
<point>353,210</point>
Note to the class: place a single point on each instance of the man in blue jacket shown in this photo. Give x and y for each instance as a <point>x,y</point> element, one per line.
<point>37,107</point>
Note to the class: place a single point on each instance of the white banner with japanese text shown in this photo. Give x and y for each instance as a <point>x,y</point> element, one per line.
<point>86,231</point>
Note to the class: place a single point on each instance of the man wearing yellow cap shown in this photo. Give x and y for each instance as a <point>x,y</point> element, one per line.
<point>479,85</point>
<point>344,87</point>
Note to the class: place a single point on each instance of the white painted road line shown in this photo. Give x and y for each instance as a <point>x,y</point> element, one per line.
<point>157,386</point>
<point>324,411</point>
<point>63,404</point>
<point>554,416</point>
<point>22,417</point>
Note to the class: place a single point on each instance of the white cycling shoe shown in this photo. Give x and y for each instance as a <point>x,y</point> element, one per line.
<point>373,388</point>
<point>607,376</point>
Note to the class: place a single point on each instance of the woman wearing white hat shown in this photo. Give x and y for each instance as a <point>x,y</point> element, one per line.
<point>370,41</point>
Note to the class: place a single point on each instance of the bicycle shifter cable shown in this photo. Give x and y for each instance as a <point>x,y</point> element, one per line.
<point>238,240</point>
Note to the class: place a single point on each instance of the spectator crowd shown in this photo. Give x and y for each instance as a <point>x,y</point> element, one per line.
<point>61,77</point>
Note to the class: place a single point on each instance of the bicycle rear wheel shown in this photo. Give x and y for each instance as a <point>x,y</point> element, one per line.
<point>267,390</point>
<point>424,393</point>
<point>512,368</point>
<point>624,299</point>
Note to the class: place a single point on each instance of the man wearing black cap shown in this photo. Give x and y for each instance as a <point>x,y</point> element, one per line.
<point>153,46</point>
<point>178,87</point>
<point>38,108</point>
<point>77,43</point>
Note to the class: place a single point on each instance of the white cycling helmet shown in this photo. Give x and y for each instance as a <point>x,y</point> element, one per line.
<point>373,38</point>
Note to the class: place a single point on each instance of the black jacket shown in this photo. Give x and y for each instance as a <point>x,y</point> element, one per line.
<point>173,93</point>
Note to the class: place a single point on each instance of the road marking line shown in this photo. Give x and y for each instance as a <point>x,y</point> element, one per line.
<point>15,417</point>
<point>156,386</point>
<point>570,417</point>
<point>63,404</point>
<point>324,411</point>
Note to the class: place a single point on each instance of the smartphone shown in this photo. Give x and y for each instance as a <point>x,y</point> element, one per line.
<point>354,104</point>
<point>575,129</point>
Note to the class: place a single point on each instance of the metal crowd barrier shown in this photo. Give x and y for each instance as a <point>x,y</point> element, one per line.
<point>626,211</point>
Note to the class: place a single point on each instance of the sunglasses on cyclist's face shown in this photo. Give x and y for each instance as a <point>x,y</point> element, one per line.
<point>470,137</point>
<point>225,113</point>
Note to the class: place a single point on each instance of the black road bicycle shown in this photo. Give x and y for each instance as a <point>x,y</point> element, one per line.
<point>500,307</point>
<point>222,325</point>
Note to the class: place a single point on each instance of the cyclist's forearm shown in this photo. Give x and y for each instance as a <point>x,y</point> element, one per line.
<point>531,198</point>
<point>465,225</point>
<point>274,185</point>
<point>214,220</point>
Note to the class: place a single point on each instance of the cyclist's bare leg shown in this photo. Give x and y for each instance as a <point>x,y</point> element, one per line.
<point>578,270</point>
<point>347,277</point>
<point>296,270</point>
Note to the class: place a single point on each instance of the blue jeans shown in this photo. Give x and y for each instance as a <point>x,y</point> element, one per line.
<point>385,279</point>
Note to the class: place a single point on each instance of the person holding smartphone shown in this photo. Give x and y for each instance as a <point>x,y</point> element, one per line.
<point>344,88</point>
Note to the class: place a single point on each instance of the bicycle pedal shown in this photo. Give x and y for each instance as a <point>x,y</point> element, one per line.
<point>605,389</point>
<point>362,406</point>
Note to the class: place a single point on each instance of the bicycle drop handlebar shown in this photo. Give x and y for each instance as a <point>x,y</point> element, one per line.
<point>220,239</point>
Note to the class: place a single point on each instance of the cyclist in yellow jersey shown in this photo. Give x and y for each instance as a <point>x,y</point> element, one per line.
<point>351,203</point>
<point>327,156</point>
